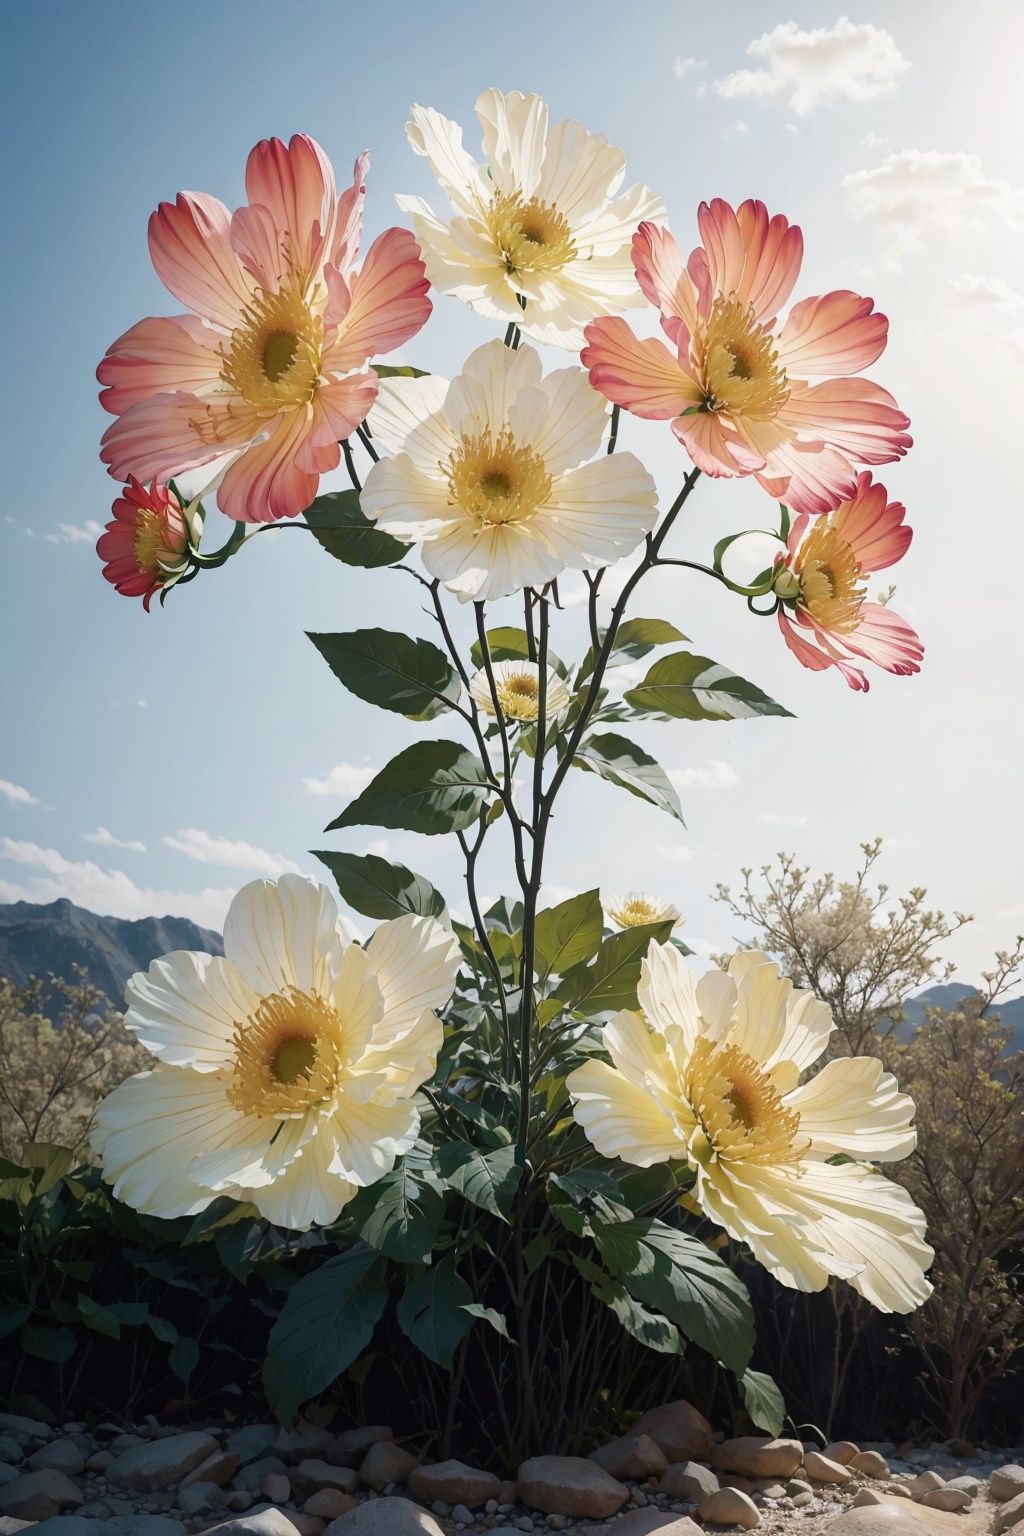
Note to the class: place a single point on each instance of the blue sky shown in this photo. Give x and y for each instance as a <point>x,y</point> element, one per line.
<point>195,733</point>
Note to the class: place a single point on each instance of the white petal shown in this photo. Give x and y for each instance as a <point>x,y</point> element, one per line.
<point>515,131</point>
<point>404,501</point>
<point>440,141</point>
<point>307,1192</point>
<point>666,995</point>
<point>854,1106</point>
<point>479,398</point>
<point>581,171</point>
<point>415,961</point>
<point>369,1137</point>
<point>358,1000</point>
<point>612,230</point>
<point>776,1023</point>
<point>247,1150</point>
<point>600,511</point>
<point>491,564</point>
<point>716,999</point>
<point>406,405</point>
<point>620,1118</point>
<point>283,934</point>
<point>186,1008</point>
<point>575,421</point>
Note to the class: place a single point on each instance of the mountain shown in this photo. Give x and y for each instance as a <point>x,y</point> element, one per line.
<point>37,940</point>
<point>950,995</point>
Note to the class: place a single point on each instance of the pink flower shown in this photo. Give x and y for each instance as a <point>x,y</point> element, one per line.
<point>270,366</point>
<point>146,543</point>
<point>824,618</point>
<point>737,387</point>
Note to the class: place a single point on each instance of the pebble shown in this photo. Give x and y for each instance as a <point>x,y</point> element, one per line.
<point>463,1516</point>
<point>730,1507</point>
<point>38,1495</point>
<point>386,1463</point>
<point>950,1499</point>
<point>1006,1482</point>
<point>924,1483</point>
<point>820,1470</point>
<point>329,1503</point>
<point>631,1457</point>
<point>869,1464</point>
<point>758,1456</point>
<point>62,1455</point>
<point>570,1485</point>
<point>689,1480</point>
<point>842,1451</point>
<point>198,1497</point>
<point>276,1486</point>
<point>681,1432</point>
<point>219,1468</point>
<point>453,1482</point>
<point>161,1463</point>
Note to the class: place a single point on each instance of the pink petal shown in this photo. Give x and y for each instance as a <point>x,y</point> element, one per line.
<point>383,307</point>
<point>266,483</point>
<point>837,332</point>
<point>819,478</point>
<point>663,278</point>
<point>164,435</point>
<point>642,375</point>
<point>873,526</point>
<point>159,356</point>
<point>190,245</point>
<point>818,660</point>
<point>295,183</point>
<point>346,402</point>
<point>750,256</point>
<point>260,245</point>
<point>349,220</point>
<point>854,415</point>
<point>715,446</point>
<point>886,639</point>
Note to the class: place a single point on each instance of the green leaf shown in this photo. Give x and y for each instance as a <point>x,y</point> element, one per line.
<point>405,371</point>
<point>54,1344</point>
<point>432,1312</point>
<point>433,787</point>
<point>327,1320</point>
<point>610,981</point>
<point>681,1277</point>
<point>634,639</point>
<point>49,1162</point>
<point>506,643</point>
<point>338,524</point>
<point>622,762</point>
<point>568,934</point>
<point>100,1319</point>
<point>488,1315</point>
<point>379,889</point>
<point>647,1328</point>
<point>12,1317</point>
<point>687,687</point>
<point>575,1198</point>
<point>222,1212</point>
<point>411,677</point>
<point>163,1330</point>
<point>183,1358</point>
<point>486,1179</point>
<point>763,1401</point>
<point>403,1213</point>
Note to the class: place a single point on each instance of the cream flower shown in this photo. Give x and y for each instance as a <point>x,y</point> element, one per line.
<point>517,684</point>
<point>286,1070</point>
<point>489,474</point>
<point>540,219</point>
<point>636,908</point>
<point>709,1075</point>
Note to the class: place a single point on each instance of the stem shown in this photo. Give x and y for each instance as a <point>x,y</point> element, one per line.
<point>613,435</point>
<point>531,890</point>
<point>470,853</point>
<point>350,465</point>
<point>364,438</point>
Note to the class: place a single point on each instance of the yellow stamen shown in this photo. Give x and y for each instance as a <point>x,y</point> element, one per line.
<point>273,358</point>
<point>740,367</point>
<point>288,1056</point>
<point>533,237</point>
<point>519,696</point>
<point>495,481</point>
<point>828,572</point>
<point>637,911</point>
<point>740,1115</point>
<point>153,550</point>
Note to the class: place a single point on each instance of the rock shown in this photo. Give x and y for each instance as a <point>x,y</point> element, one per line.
<point>1009,1515</point>
<point>10,1450</point>
<point>384,1517</point>
<point>219,1468</point>
<point>947,1498</point>
<point>924,1483</point>
<point>866,1496</point>
<point>19,1425</point>
<point>161,1463</point>
<point>842,1451</point>
<point>73,1525</point>
<point>258,1522</point>
<point>570,1485</point>
<point>1005,1482</point>
<point>463,1516</point>
<point>679,1431</point>
<point>803,1500</point>
<point>729,1507</point>
<point>251,1441</point>
<point>99,1461</point>
<point>797,1485</point>
<point>689,1480</point>
<point>276,1487</point>
<point>967,1484</point>
<point>733,1480</point>
<point>7,1473</point>
<point>9,1526</point>
<point>454,1483</point>
<point>962,1448</point>
<point>321,1474</point>
<point>146,1525</point>
<point>820,1470</point>
<point>509,1492</point>
<point>352,1444</point>
<point>386,1463</point>
<point>647,1522</point>
<point>631,1456</point>
<point>877,1520</point>
<point>869,1464</point>
<point>124,1442</point>
<point>303,1439</point>
<point>769,1490</point>
<point>329,1503</point>
<point>63,1455</point>
<point>251,1476</point>
<point>238,1499</point>
<point>38,1495</point>
<point>197,1498</point>
<point>757,1456</point>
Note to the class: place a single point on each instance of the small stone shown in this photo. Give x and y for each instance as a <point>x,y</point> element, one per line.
<point>1006,1482</point>
<point>820,1470</point>
<point>320,1474</point>
<point>38,1495</point>
<point>797,1485</point>
<point>769,1490</point>
<point>631,1456</point>
<point>219,1468</point>
<point>19,1425</point>
<point>896,1490</point>
<point>734,1480</point>
<point>453,1483</point>
<point>238,1499</point>
<point>197,1497</point>
<point>384,1517</point>
<point>146,1525</point>
<point>1010,1514</point>
<point>99,1461</point>
<point>508,1493</point>
<point>386,1463</point>
<point>681,1432</point>
<point>276,1487</point>
<point>63,1455</point>
<point>329,1503</point>
<point>161,1463</point>
<point>842,1451</point>
<point>251,1476</point>
<point>689,1480</point>
<point>352,1444</point>
<point>258,1522</point>
<point>647,1522</point>
<point>251,1441</point>
<point>967,1484</point>
<point>803,1500</point>
<point>524,1523</point>
<point>730,1507</point>
<point>924,1483</point>
<point>758,1456</point>
<point>866,1496</point>
<point>125,1441</point>
<point>570,1485</point>
<point>302,1440</point>
<point>10,1450</point>
<point>869,1464</point>
<point>463,1516</point>
<point>878,1520</point>
<point>950,1499</point>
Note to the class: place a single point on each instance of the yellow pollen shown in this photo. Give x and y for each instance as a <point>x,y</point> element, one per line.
<point>153,550</point>
<point>273,358</point>
<point>739,364</point>
<point>740,1115</point>
<point>519,696</point>
<point>495,481</point>
<point>288,1056</point>
<point>637,912</point>
<point>828,572</point>
<point>533,237</point>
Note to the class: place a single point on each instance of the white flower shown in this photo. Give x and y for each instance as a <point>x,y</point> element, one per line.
<point>285,1071</point>
<point>489,474</point>
<point>709,1075</point>
<point>517,684</point>
<point>635,909</point>
<point>540,219</point>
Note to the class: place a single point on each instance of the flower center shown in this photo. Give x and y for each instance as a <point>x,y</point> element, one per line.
<point>288,1056</point>
<point>519,696</point>
<point>273,358</point>
<point>533,237</point>
<point>495,481</point>
<point>828,572</point>
<point>637,912</point>
<point>157,546</point>
<point>741,372</point>
<point>740,1115</point>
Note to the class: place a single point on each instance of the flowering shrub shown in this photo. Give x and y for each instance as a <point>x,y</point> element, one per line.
<point>506,1124</point>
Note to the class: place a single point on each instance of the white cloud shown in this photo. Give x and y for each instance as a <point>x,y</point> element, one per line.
<point>108,891</point>
<point>915,192</point>
<point>771,819</point>
<point>16,793</point>
<point>873,140</point>
<point>344,779</point>
<point>713,774</point>
<point>104,838</point>
<point>737,129</point>
<point>683,67</point>
<point>676,853</point>
<point>76,533</point>
<point>848,62</point>
<point>229,853</point>
<point>990,294</point>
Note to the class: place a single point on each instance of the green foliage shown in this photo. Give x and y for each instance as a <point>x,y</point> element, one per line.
<point>568,934</point>
<point>763,1401</point>
<point>433,1312</point>
<point>433,787</point>
<point>610,981</point>
<point>379,889</point>
<point>487,1179</point>
<point>622,762</point>
<point>344,531</point>
<point>410,677</point>
<point>687,687</point>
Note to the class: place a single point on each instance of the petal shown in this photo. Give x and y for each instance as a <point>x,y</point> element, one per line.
<point>165,434</point>
<point>808,654</point>
<point>575,418</point>
<point>643,376</point>
<point>715,445</point>
<point>599,512</point>
<point>664,279</point>
<point>348,224</point>
<point>416,961</point>
<point>620,1118</point>
<point>855,1107</point>
<point>344,405</point>
<point>406,502</point>
<point>515,129</point>
<point>480,397</point>
<point>669,1001</point>
<point>402,407</point>
<point>187,1007</point>
<point>492,564</point>
<point>268,481</point>
<point>854,415</point>
<point>307,1193</point>
<point>611,231</point>
<point>776,1023</point>
<point>190,245</point>
<point>159,356</point>
<point>751,257</point>
<point>368,1137</point>
<point>283,934</point>
<point>249,1152</point>
<point>388,303</point>
<point>357,1000</point>
<point>440,141</point>
<point>873,526</point>
<point>817,479</point>
<point>886,639</point>
<point>581,171</point>
<point>295,183</point>
<point>832,333</point>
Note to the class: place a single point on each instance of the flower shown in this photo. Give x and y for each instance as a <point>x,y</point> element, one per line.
<point>286,1070</point>
<point>540,220</point>
<point>708,1075</point>
<point>517,684</point>
<point>488,473</point>
<point>145,546</point>
<point>825,618</point>
<point>636,909</point>
<point>736,385</point>
<point>270,365</point>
